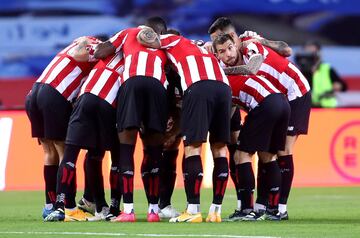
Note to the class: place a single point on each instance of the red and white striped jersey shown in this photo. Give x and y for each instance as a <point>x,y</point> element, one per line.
<point>250,90</point>
<point>192,62</point>
<point>284,75</point>
<point>139,60</point>
<point>65,74</point>
<point>105,78</point>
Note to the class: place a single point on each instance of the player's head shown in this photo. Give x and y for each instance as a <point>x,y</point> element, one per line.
<point>225,49</point>
<point>102,37</point>
<point>222,25</point>
<point>312,47</point>
<point>173,31</point>
<point>157,24</point>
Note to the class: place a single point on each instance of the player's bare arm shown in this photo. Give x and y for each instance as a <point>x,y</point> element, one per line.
<point>251,68</point>
<point>104,49</point>
<point>280,47</point>
<point>148,37</point>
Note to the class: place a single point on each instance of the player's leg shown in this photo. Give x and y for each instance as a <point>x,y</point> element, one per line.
<point>272,177</point>
<point>298,125</point>
<point>150,171</point>
<point>51,165</point>
<point>128,118</point>
<point>235,125</point>
<point>286,164</point>
<point>106,139</point>
<point>51,158</point>
<point>55,122</point>
<point>127,140</point>
<point>80,134</point>
<point>195,124</point>
<point>86,203</point>
<point>66,185</point>
<point>168,178</point>
<point>280,118</point>
<point>115,192</point>
<point>261,193</point>
<point>246,183</point>
<point>155,116</point>
<point>219,179</point>
<point>219,136</point>
<point>96,181</point>
<point>193,175</point>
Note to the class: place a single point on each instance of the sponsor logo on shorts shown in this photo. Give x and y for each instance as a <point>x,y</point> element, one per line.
<point>290,128</point>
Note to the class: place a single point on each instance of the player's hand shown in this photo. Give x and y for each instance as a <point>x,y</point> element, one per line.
<point>252,34</point>
<point>208,47</point>
<point>170,124</point>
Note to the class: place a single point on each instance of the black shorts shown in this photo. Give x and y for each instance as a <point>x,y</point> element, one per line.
<point>206,108</point>
<point>142,104</point>
<point>300,114</point>
<point>235,122</point>
<point>92,124</point>
<point>48,111</point>
<point>265,126</point>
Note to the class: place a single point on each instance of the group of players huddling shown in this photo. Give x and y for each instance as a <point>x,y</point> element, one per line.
<point>98,95</point>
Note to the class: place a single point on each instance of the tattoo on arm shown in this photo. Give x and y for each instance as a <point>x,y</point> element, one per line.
<point>280,47</point>
<point>148,37</point>
<point>241,69</point>
<point>251,68</point>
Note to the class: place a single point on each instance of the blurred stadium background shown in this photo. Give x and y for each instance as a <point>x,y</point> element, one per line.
<point>33,31</point>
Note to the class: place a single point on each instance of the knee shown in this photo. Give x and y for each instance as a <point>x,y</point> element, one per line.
<point>287,151</point>
<point>218,150</point>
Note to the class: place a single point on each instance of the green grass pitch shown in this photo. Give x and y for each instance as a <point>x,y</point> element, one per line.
<point>314,212</point>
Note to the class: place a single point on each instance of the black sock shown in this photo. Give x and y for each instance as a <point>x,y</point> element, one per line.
<point>286,165</point>
<point>232,150</point>
<point>262,192</point>
<point>155,154</point>
<point>87,189</point>
<point>66,178</point>
<point>145,173</point>
<point>220,179</point>
<point>167,176</point>
<point>50,175</point>
<point>115,193</point>
<point>246,180</point>
<point>193,174</point>
<point>94,168</point>
<point>273,178</point>
<point>126,165</point>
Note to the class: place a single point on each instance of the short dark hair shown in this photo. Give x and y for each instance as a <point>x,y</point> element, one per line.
<point>221,24</point>
<point>221,39</point>
<point>173,31</point>
<point>102,37</point>
<point>157,24</point>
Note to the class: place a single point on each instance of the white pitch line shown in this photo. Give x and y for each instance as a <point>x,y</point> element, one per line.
<point>125,234</point>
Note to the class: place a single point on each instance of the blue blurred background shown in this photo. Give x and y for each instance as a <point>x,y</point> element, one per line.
<point>33,31</point>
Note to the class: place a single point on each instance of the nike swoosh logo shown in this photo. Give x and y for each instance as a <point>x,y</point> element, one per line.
<point>187,219</point>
